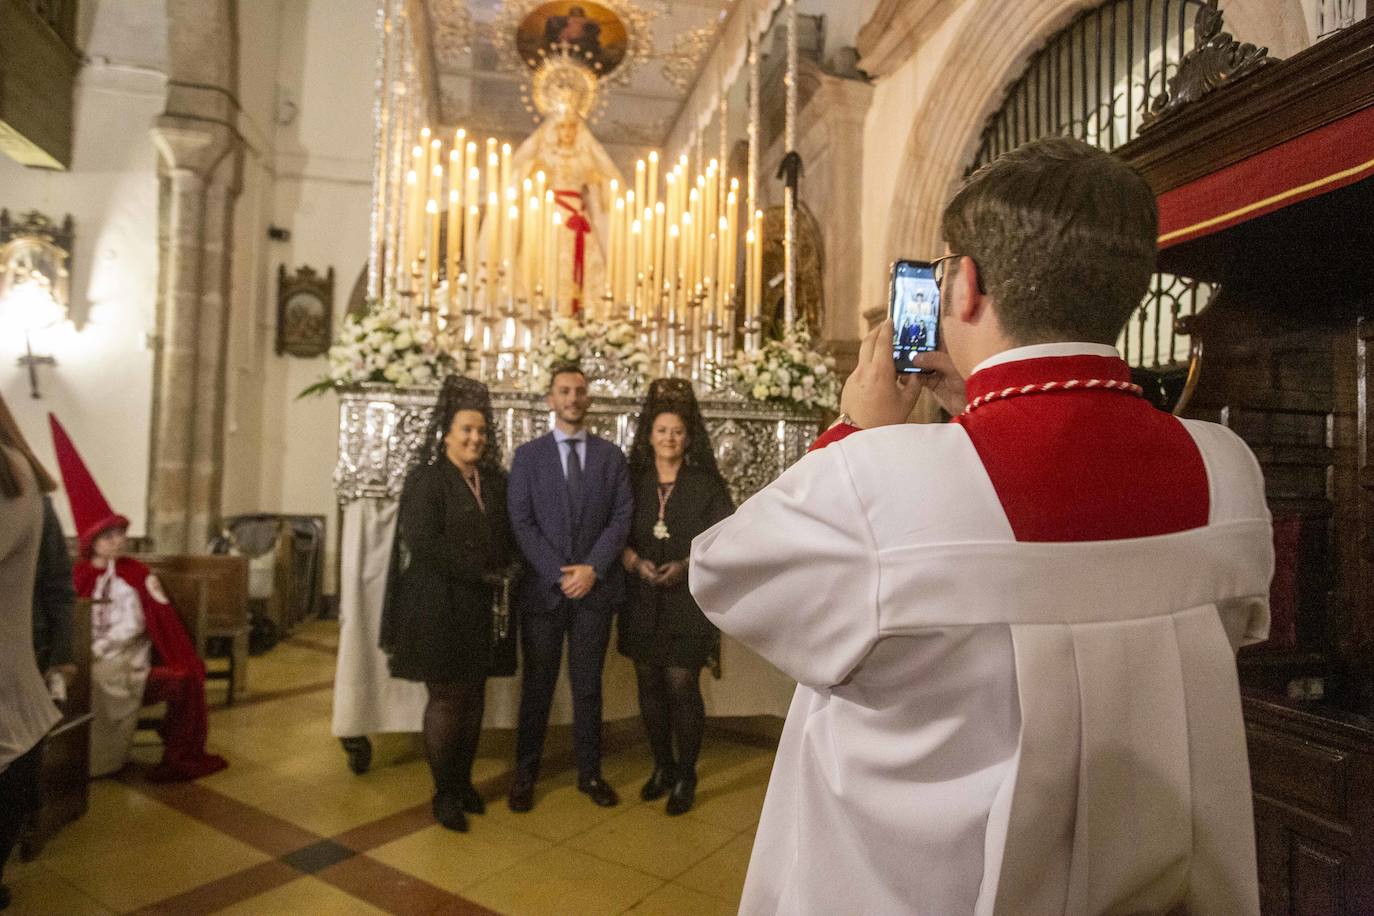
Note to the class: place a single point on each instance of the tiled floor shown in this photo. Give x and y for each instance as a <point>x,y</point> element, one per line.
<point>288,829</point>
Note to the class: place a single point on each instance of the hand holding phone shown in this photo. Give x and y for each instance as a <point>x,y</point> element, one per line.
<point>914,308</point>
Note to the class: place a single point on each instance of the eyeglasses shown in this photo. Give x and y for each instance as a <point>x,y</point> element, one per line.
<point>939,267</point>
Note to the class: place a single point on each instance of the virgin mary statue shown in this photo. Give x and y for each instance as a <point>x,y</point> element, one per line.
<point>578,171</point>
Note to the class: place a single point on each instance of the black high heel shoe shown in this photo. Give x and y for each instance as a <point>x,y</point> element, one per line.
<point>448,811</point>
<point>472,800</point>
<point>684,795</point>
<point>660,781</point>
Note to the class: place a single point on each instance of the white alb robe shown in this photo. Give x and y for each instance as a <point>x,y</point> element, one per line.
<point>121,655</point>
<point>987,726</point>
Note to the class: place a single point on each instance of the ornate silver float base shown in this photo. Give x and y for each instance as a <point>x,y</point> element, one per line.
<point>380,428</point>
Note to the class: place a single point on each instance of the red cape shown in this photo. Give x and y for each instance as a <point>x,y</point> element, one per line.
<point>177,676</point>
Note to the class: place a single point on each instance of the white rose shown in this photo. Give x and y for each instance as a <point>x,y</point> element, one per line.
<point>765,377</point>
<point>784,378</point>
<point>391,372</point>
<point>798,392</point>
<point>378,361</point>
<point>822,370</point>
<point>760,392</point>
<point>404,341</point>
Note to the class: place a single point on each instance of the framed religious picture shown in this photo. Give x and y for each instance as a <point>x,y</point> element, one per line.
<point>589,30</point>
<point>305,311</point>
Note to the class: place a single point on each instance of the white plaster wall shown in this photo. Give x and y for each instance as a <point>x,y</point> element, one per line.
<point>101,388</point>
<point>308,173</point>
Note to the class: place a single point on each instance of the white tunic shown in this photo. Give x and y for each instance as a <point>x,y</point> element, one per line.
<point>987,726</point>
<point>120,658</point>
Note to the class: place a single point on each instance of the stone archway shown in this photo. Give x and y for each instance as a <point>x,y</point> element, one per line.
<point>945,130</point>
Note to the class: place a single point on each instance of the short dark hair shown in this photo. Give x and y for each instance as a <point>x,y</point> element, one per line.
<point>1064,237</point>
<point>565,369</point>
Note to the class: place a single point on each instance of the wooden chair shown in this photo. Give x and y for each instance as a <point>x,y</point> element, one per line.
<point>210,593</point>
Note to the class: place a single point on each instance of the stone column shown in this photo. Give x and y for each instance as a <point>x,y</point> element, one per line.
<point>202,161</point>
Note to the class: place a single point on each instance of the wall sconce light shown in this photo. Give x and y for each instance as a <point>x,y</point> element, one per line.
<point>34,253</point>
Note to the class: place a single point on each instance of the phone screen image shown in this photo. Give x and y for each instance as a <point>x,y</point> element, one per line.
<point>915,310</point>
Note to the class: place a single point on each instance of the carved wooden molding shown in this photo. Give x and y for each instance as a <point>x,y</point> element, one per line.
<point>1216,60</point>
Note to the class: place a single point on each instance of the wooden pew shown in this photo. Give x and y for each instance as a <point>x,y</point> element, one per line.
<point>210,593</point>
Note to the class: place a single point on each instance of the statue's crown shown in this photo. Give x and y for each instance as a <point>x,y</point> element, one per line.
<point>564,82</point>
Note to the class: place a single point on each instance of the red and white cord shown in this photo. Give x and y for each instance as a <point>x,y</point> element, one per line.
<point>1088,384</point>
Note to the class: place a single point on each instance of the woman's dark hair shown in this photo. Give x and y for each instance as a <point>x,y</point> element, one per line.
<point>459,393</point>
<point>674,396</point>
<point>11,483</point>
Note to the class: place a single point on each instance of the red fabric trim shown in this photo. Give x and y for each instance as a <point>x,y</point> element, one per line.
<point>577,223</point>
<point>177,676</point>
<point>1085,465</point>
<point>832,435</point>
<point>1322,160</point>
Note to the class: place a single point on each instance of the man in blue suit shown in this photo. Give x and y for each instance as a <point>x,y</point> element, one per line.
<point>570,508</point>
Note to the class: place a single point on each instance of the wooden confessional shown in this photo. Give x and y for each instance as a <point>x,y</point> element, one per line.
<point>1263,172</point>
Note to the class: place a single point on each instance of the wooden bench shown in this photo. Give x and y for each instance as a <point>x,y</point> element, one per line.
<point>210,593</point>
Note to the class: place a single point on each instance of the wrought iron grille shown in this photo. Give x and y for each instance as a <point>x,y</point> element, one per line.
<point>1094,80</point>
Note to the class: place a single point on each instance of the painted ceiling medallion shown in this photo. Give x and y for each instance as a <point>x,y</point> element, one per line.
<point>611,37</point>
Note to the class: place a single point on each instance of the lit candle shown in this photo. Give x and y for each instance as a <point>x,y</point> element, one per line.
<point>493,168</point>
<point>472,200</point>
<point>508,243</point>
<point>632,269</point>
<point>505,165</point>
<point>758,263</point>
<point>455,209</point>
<point>432,254</point>
<point>470,249</point>
<point>652,186</point>
<point>657,249</point>
<point>670,271</point>
<point>492,223</point>
<point>617,235</point>
<point>750,290</point>
<point>413,221</point>
<point>555,274</point>
<point>530,250</point>
<point>640,178</point>
<point>540,180</point>
<point>435,163</point>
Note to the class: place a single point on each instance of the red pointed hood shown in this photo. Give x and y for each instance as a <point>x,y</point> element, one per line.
<point>90,510</point>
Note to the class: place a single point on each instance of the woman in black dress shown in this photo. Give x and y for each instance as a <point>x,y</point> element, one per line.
<point>679,493</point>
<point>453,551</point>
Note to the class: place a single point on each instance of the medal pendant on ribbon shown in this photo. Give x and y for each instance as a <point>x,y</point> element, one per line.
<point>661,530</point>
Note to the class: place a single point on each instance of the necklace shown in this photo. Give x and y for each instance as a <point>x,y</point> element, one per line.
<point>665,490</point>
<point>1089,384</point>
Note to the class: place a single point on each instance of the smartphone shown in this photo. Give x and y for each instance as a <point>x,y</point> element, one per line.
<point>914,304</point>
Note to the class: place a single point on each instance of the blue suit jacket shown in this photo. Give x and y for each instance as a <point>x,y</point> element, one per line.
<point>537,498</point>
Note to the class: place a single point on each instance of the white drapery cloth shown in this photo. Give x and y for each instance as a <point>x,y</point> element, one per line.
<point>367,699</point>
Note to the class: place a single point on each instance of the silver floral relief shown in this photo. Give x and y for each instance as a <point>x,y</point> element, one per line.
<point>381,430</point>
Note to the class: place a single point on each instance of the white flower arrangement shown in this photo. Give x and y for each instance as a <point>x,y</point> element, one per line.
<point>787,371</point>
<point>387,346</point>
<point>615,343</point>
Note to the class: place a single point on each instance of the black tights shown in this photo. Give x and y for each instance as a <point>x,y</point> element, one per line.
<point>674,713</point>
<point>453,724</point>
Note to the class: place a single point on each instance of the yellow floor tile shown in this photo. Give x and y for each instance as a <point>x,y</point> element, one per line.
<point>732,797</point>
<point>455,861</point>
<point>647,840</point>
<point>721,874</point>
<point>560,811</point>
<point>40,891</point>
<point>129,850</point>
<point>563,882</point>
<point>676,900</point>
<point>303,897</point>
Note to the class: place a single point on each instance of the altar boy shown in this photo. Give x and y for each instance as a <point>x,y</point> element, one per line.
<point>1014,633</point>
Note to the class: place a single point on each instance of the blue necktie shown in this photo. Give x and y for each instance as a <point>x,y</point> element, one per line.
<point>574,481</point>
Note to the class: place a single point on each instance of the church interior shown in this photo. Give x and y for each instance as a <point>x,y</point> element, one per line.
<point>242,242</point>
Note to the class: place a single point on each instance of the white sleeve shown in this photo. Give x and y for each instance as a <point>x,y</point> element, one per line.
<point>793,574</point>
